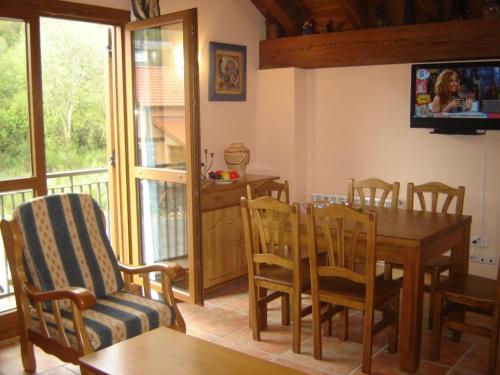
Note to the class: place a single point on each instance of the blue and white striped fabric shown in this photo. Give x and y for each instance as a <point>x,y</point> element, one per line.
<point>67,245</point>
<point>115,318</point>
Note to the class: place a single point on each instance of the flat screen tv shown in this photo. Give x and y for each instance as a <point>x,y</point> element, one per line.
<point>456,98</point>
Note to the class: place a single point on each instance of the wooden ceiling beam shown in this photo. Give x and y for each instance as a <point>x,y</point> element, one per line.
<point>290,14</point>
<point>355,11</point>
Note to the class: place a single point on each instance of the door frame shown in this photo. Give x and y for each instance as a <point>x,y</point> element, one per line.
<point>193,158</point>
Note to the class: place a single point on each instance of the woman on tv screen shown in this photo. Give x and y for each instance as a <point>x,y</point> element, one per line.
<point>447,96</point>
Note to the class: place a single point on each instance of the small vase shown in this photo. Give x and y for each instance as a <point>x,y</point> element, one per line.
<point>237,157</point>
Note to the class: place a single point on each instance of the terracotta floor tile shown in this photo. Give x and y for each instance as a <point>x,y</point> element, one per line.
<point>476,360</point>
<point>301,367</point>
<point>218,321</point>
<point>276,339</point>
<point>188,310</point>
<point>73,368</point>
<point>338,357</point>
<point>380,340</point>
<point>201,334</point>
<point>385,363</point>
<point>62,370</point>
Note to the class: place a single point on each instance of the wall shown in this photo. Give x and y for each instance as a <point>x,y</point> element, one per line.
<point>357,125</point>
<point>234,22</point>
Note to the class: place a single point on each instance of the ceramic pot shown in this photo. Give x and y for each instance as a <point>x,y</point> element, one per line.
<point>237,157</point>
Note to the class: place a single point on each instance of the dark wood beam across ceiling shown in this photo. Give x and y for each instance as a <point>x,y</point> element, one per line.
<point>289,14</point>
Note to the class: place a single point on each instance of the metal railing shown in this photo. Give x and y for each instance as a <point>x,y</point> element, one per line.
<point>90,181</point>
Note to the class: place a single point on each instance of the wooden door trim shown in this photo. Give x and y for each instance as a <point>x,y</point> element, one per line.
<point>192,181</point>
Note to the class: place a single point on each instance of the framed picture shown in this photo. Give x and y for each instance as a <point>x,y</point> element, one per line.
<point>228,74</point>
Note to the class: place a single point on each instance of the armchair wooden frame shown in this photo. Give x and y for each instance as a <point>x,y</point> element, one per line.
<point>372,185</point>
<point>29,298</point>
<point>338,230</point>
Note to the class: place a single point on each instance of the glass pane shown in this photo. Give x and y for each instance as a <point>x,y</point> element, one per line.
<point>159,97</point>
<point>15,150</point>
<point>9,201</point>
<point>75,96</point>
<point>163,224</point>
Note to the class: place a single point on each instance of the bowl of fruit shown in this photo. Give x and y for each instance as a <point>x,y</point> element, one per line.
<point>223,177</point>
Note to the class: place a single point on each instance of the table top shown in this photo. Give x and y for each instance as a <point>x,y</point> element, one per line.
<point>418,226</point>
<point>164,350</point>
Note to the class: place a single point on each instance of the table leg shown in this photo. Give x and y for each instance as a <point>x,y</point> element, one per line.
<point>460,265</point>
<point>411,312</point>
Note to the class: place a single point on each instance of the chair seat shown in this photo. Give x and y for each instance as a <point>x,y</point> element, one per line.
<point>441,262</point>
<point>335,286</point>
<point>282,275</point>
<point>471,290</point>
<point>114,318</point>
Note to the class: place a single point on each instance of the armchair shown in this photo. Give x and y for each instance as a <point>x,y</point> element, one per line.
<point>71,297</point>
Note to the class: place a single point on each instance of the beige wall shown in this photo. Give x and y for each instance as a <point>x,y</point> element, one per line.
<point>233,22</point>
<point>356,123</point>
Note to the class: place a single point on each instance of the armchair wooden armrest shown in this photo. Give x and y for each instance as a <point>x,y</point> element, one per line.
<point>169,272</point>
<point>174,271</point>
<point>82,297</point>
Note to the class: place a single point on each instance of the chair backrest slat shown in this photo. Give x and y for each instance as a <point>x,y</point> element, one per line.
<point>373,186</point>
<point>436,190</point>
<point>265,221</point>
<point>269,188</point>
<point>355,229</point>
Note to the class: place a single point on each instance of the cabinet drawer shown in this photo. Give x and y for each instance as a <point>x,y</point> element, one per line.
<point>222,199</point>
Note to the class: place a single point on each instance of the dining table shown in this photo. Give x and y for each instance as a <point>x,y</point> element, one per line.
<point>410,238</point>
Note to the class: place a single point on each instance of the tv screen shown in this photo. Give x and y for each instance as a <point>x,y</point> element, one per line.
<point>456,97</point>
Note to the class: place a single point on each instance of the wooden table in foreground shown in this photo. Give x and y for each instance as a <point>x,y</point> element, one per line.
<point>166,351</point>
<point>410,238</point>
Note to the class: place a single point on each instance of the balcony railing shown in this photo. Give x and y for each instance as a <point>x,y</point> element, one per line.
<point>90,181</point>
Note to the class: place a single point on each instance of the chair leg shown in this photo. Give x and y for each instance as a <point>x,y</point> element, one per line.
<point>344,324</point>
<point>394,327</point>
<point>285,310</point>
<point>254,312</point>
<point>367,341</point>
<point>492,357</point>
<point>387,271</point>
<point>297,307</point>
<point>436,325</point>
<point>316,324</point>
<point>27,354</point>
<point>433,286</point>
<point>327,323</point>
<point>262,292</point>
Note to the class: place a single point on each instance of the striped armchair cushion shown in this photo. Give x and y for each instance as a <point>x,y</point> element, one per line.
<point>114,318</point>
<point>67,245</point>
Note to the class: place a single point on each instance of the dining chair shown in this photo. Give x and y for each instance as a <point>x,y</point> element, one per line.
<point>377,191</point>
<point>349,237</point>
<point>465,293</point>
<point>429,196</point>
<point>270,188</point>
<point>71,296</point>
<point>274,261</point>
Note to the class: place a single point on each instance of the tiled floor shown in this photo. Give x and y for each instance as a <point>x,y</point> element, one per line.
<point>224,320</point>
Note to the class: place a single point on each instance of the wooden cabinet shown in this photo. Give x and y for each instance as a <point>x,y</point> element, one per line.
<point>223,246</point>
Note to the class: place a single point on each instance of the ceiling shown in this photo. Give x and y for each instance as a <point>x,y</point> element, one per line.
<point>287,17</point>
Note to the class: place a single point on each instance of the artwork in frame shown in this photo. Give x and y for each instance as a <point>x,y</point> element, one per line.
<point>227,72</point>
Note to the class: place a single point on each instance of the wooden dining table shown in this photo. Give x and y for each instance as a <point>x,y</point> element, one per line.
<point>410,238</point>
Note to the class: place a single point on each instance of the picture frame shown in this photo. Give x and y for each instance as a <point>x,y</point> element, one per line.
<point>228,63</point>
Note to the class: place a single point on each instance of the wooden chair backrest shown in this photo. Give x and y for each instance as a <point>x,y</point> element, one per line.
<point>344,233</point>
<point>373,186</point>
<point>435,190</point>
<point>269,188</point>
<point>265,220</point>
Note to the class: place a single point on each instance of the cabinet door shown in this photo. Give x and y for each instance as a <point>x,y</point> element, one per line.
<point>223,247</point>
